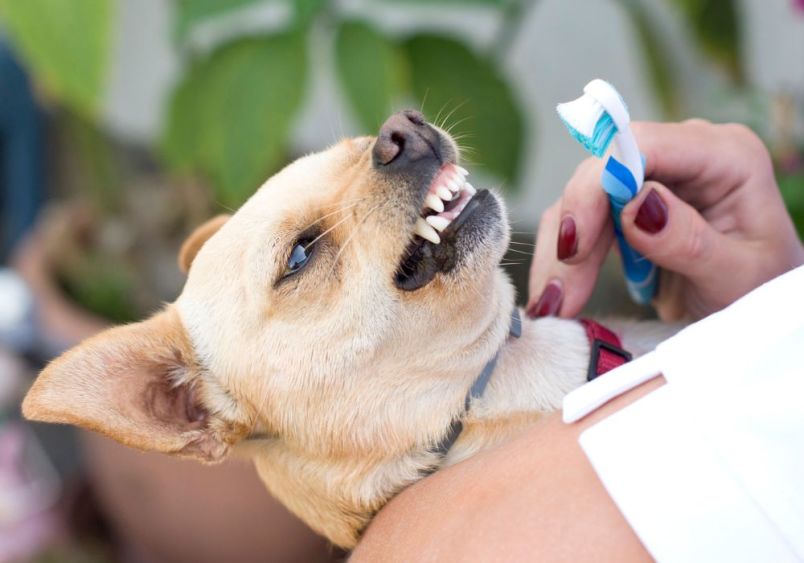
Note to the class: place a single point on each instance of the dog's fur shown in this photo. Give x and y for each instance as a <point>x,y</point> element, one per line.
<point>334,380</point>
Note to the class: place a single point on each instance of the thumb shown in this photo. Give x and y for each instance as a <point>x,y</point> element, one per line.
<point>673,235</point>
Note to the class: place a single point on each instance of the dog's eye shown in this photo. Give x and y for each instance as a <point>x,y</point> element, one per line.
<point>299,256</point>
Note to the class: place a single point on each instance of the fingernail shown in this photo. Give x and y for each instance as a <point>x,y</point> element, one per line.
<point>549,303</point>
<point>567,239</point>
<point>652,214</point>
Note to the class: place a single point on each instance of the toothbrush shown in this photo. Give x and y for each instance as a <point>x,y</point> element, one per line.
<point>597,118</point>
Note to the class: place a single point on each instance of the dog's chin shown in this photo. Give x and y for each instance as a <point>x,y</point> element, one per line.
<point>472,238</point>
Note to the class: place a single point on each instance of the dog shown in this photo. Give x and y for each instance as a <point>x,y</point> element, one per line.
<point>323,333</point>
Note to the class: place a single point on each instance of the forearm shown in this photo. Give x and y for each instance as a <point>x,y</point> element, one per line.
<point>535,497</point>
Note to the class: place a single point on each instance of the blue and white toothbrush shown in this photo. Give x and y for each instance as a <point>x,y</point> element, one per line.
<point>596,119</point>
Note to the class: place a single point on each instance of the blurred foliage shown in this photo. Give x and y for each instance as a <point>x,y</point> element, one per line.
<point>655,56</point>
<point>377,73</point>
<point>66,43</point>
<point>792,186</point>
<point>716,27</point>
<point>190,13</point>
<point>231,114</point>
<point>361,52</point>
<point>481,111</point>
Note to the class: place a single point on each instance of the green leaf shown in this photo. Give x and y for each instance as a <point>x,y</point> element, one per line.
<point>467,93</point>
<point>66,44</point>
<point>305,10</point>
<point>370,70</point>
<point>192,12</point>
<point>230,118</point>
<point>716,27</point>
<point>181,141</point>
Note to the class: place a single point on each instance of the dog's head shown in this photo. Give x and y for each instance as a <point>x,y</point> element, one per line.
<point>314,317</point>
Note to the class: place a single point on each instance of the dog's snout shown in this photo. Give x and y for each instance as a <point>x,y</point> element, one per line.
<point>405,137</point>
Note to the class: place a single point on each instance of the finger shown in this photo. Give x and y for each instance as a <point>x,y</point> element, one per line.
<point>673,235</point>
<point>584,213</point>
<point>700,161</point>
<point>543,267</point>
<point>579,280</point>
<point>558,288</point>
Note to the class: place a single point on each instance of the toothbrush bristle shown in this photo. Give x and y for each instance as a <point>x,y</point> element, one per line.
<point>589,124</point>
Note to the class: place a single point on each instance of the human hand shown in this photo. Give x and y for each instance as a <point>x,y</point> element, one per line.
<point>710,215</point>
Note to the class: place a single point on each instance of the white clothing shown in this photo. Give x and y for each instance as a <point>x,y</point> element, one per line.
<point>710,466</point>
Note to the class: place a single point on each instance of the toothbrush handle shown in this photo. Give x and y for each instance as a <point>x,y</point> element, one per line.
<point>641,275</point>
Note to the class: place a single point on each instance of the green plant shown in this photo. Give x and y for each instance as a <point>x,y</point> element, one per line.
<point>231,114</point>
<point>231,124</point>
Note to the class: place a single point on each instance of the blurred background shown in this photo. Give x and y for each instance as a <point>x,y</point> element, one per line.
<point>125,123</point>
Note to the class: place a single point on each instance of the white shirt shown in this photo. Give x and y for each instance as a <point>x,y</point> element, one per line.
<point>710,466</point>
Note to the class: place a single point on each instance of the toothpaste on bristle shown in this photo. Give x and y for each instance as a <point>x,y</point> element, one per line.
<point>589,123</point>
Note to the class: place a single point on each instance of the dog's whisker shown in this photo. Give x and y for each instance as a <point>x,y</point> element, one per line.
<point>351,237</point>
<point>330,214</point>
<point>520,252</point>
<point>451,113</point>
<point>226,207</point>
<point>457,123</point>
<point>316,239</point>
<point>440,111</point>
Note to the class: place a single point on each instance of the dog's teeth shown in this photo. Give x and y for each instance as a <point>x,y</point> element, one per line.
<point>453,186</point>
<point>469,188</point>
<point>434,202</point>
<point>444,193</point>
<point>461,170</point>
<point>438,223</point>
<point>426,231</point>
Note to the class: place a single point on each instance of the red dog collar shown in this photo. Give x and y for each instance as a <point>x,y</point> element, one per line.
<point>607,352</point>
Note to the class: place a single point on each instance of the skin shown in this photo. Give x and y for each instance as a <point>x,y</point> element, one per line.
<point>536,497</point>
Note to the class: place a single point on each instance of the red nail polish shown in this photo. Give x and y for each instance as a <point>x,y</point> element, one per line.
<point>567,239</point>
<point>652,214</point>
<point>549,303</point>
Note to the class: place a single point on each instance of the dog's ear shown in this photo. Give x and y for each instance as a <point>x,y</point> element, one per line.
<point>196,240</point>
<point>138,384</point>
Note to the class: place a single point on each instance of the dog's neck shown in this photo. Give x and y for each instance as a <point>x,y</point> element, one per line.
<point>337,497</point>
<point>532,375</point>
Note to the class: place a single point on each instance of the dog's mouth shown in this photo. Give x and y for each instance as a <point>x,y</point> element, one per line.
<point>448,203</point>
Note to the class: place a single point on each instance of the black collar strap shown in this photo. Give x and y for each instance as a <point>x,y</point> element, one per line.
<point>476,391</point>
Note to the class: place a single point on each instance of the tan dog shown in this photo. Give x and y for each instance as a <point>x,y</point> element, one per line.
<point>321,335</point>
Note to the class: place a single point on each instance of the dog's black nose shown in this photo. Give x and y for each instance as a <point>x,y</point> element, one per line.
<point>405,137</point>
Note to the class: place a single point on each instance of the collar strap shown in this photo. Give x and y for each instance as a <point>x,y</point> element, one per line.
<point>607,351</point>
<point>477,389</point>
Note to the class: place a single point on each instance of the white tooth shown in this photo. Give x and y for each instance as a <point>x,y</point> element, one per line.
<point>427,232</point>
<point>453,186</point>
<point>444,193</point>
<point>469,188</point>
<point>438,223</point>
<point>462,170</point>
<point>434,202</point>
